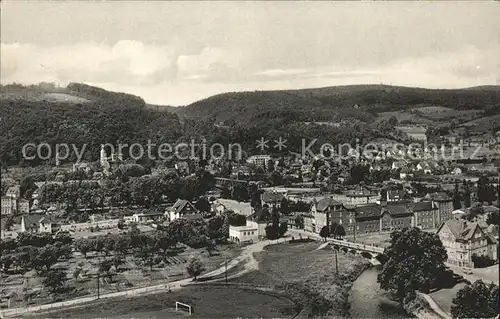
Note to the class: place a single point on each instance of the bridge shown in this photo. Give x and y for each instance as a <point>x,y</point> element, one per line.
<point>220,182</point>
<point>347,246</point>
<point>357,247</point>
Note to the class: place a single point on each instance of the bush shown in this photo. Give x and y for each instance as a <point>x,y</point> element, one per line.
<point>482,261</point>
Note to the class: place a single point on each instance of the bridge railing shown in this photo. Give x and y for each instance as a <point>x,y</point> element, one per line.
<point>367,248</point>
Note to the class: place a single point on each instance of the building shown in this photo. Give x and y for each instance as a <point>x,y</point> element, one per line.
<point>395,216</point>
<point>259,160</point>
<point>47,225</point>
<point>12,205</point>
<point>425,215</point>
<point>326,210</point>
<point>23,206</point>
<point>13,192</point>
<point>309,223</point>
<point>260,226</point>
<point>181,209</point>
<point>385,217</point>
<point>142,218</point>
<point>29,223</point>
<point>393,196</point>
<point>9,206</point>
<point>361,195</point>
<point>367,218</point>
<point>463,239</point>
<point>242,234</point>
<point>444,204</point>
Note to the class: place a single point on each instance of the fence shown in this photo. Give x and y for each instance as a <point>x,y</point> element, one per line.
<point>128,293</point>
<point>61,304</point>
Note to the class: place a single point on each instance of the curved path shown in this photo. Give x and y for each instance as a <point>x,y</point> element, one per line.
<point>246,255</point>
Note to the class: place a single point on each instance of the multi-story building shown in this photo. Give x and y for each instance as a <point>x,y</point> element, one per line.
<point>9,206</point>
<point>325,211</point>
<point>14,205</point>
<point>395,216</point>
<point>444,204</point>
<point>385,217</point>
<point>309,224</point>
<point>360,196</point>
<point>23,206</point>
<point>463,239</point>
<point>367,218</point>
<point>425,215</point>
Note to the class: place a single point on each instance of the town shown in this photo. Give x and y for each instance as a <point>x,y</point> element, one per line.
<point>81,220</point>
<point>249,159</point>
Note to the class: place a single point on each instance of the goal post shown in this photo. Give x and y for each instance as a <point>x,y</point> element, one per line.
<point>183,306</point>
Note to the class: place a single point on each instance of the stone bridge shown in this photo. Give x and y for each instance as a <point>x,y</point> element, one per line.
<point>357,247</point>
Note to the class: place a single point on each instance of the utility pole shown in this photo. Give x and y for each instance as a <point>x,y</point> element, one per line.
<point>336,261</point>
<point>226,269</point>
<point>98,295</point>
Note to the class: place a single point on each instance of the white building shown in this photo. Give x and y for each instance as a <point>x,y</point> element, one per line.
<point>463,239</point>
<point>259,160</point>
<point>182,209</point>
<point>242,234</point>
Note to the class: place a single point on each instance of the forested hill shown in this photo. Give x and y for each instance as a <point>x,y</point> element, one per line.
<point>79,114</point>
<point>359,101</point>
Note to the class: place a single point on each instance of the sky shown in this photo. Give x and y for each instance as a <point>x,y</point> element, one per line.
<point>175,53</point>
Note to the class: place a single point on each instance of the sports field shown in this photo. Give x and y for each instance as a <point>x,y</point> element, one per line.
<point>206,301</point>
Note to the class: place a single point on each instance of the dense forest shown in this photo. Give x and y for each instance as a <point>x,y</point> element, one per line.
<point>361,102</point>
<point>109,117</point>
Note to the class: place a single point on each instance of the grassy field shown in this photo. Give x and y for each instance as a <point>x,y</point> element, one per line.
<point>308,275</point>
<point>132,274</point>
<point>207,302</point>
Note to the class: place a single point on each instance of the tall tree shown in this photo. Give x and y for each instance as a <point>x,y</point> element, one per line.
<point>415,261</point>
<point>467,195</point>
<point>54,280</point>
<point>478,300</point>
<point>195,268</point>
<point>457,200</point>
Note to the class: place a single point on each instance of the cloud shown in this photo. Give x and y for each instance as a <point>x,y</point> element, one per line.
<point>125,62</point>
<point>163,74</point>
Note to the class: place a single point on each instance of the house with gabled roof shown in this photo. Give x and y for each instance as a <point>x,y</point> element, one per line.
<point>182,209</point>
<point>463,239</point>
<point>30,222</point>
<point>48,225</point>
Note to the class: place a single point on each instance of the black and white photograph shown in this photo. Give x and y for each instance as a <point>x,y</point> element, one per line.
<point>249,159</point>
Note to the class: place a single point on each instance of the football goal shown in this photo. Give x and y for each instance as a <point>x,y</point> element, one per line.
<point>183,307</point>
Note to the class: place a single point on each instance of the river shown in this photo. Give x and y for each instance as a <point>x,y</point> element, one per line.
<point>369,301</point>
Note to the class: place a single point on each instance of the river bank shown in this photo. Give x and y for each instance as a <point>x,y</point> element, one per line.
<point>308,276</point>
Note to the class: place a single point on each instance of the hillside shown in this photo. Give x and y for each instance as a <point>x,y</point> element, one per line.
<point>79,115</point>
<point>336,103</point>
<point>84,115</point>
